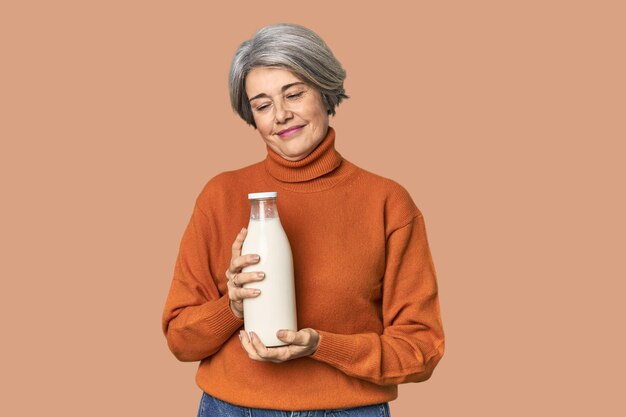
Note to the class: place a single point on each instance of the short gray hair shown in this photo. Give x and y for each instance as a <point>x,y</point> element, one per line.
<point>295,48</point>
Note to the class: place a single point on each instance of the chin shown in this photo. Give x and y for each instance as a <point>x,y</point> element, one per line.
<point>300,147</point>
<point>294,155</point>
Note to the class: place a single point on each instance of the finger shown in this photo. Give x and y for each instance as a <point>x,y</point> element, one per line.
<point>247,346</point>
<point>244,260</point>
<point>259,347</point>
<point>300,338</point>
<point>237,294</point>
<point>238,243</point>
<point>248,277</point>
<point>274,354</point>
<point>245,343</point>
<point>257,343</point>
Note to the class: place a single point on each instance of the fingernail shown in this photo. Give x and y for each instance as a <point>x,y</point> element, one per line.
<point>256,257</point>
<point>261,274</point>
<point>256,292</point>
<point>240,336</point>
<point>242,229</point>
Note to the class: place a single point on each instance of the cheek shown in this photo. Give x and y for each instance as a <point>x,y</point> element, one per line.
<point>263,126</point>
<point>319,115</point>
<point>318,110</point>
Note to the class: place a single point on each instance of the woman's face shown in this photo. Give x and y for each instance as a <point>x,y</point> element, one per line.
<point>289,114</point>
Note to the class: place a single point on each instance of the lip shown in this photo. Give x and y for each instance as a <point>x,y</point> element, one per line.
<point>290,131</point>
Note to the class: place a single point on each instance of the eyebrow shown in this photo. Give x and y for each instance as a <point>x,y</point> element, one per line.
<point>284,87</point>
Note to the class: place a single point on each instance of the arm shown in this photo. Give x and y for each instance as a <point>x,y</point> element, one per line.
<point>412,342</point>
<point>197,320</point>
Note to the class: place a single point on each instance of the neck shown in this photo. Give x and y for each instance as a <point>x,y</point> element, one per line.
<point>320,169</point>
<point>322,160</point>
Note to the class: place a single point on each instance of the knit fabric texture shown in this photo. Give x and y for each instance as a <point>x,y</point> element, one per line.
<point>364,280</point>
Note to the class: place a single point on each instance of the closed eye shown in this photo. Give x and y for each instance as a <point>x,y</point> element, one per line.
<point>294,96</point>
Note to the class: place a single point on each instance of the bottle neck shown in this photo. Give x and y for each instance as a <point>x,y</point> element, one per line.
<point>263,209</point>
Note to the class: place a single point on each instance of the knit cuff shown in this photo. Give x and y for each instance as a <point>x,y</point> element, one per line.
<point>335,349</point>
<point>223,320</point>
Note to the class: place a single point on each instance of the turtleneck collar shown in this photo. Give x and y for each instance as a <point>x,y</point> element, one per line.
<point>321,161</point>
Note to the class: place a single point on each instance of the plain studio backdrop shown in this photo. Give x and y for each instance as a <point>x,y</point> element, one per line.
<point>504,120</point>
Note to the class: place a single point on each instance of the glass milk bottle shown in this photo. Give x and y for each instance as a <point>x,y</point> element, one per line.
<point>275,307</point>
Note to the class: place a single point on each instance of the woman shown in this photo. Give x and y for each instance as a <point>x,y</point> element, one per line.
<point>366,289</point>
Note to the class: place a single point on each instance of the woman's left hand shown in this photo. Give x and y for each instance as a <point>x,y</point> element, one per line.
<point>301,343</point>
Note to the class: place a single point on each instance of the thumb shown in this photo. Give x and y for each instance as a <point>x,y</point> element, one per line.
<point>300,338</point>
<point>288,336</point>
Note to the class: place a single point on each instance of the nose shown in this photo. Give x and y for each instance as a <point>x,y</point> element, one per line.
<point>282,113</point>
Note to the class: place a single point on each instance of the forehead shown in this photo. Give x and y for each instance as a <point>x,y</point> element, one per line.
<point>268,80</point>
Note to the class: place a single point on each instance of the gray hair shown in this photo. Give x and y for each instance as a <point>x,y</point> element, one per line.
<point>295,48</point>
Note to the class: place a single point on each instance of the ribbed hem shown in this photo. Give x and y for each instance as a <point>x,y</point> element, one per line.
<point>335,349</point>
<point>222,320</point>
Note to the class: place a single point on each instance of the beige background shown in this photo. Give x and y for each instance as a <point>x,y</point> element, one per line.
<point>504,120</point>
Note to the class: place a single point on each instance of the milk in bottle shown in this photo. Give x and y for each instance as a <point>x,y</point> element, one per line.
<point>275,307</point>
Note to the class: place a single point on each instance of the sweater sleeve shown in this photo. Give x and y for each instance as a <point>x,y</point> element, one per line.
<point>197,319</point>
<point>412,341</point>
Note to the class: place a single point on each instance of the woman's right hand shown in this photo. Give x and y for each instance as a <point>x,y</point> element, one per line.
<point>236,278</point>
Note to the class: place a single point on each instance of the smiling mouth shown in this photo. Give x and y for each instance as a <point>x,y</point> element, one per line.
<point>288,132</point>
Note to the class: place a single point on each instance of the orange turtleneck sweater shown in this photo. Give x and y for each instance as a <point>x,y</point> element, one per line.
<point>364,277</point>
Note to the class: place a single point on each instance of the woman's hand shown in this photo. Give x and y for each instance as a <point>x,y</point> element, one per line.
<point>236,278</point>
<point>302,343</point>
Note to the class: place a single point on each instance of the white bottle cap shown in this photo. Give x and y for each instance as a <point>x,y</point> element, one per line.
<point>256,196</point>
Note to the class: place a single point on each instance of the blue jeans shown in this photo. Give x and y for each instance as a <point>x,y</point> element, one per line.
<point>214,407</point>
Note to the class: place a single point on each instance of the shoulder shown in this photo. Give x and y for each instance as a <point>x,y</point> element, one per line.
<point>398,205</point>
<point>219,187</point>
